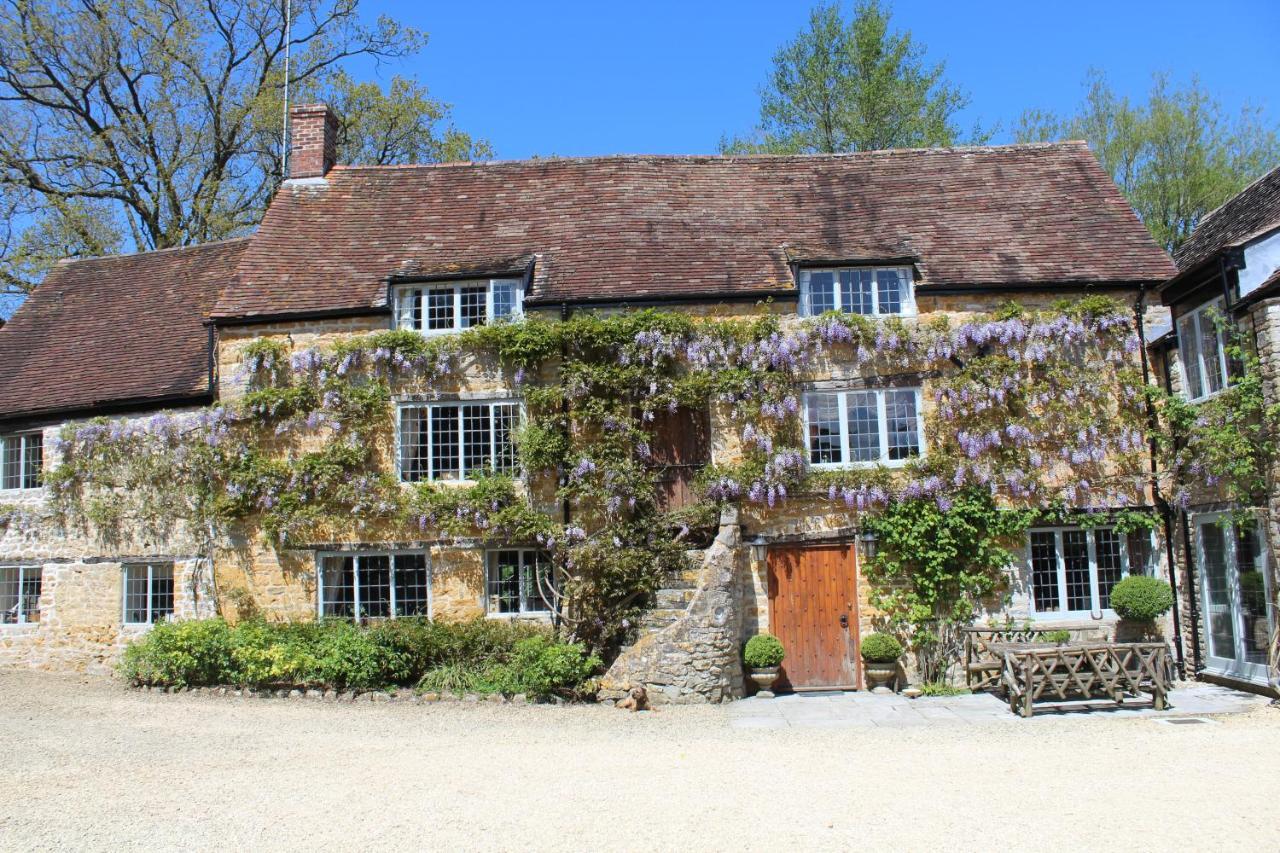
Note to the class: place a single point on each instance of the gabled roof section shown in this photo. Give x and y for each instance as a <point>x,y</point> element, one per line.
<point>1252,213</point>
<point>654,227</point>
<point>120,331</point>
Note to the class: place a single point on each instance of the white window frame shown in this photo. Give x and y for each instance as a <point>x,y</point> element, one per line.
<point>490,561</point>
<point>908,298</point>
<point>882,422</point>
<point>151,570</point>
<point>429,445</point>
<point>19,614</point>
<point>321,556</point>
<point>1095,597</point>
<point>1234,666</point>
<point>21,438</point>
<point>404,319</point>
<point>1191,354</point>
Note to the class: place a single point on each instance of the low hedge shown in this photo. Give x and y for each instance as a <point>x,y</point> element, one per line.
<point>1141,598</point>
<point>481,656</point>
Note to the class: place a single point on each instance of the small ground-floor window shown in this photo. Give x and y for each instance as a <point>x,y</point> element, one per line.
<point>519,582</point>
<point>374,585</point>
<point>1073,570</point>
<point>148,593</point>
<point>19,594</point>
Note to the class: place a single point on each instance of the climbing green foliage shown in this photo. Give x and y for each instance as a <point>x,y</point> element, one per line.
<point>934,568</point>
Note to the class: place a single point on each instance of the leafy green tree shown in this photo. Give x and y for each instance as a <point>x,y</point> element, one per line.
<point>852,86</point>
<point>156,123</point>
<point>1176,157</point>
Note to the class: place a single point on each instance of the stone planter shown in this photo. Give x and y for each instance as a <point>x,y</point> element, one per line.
<point>879,675</point>
<point>764,679</point>
<point>1137,631</point>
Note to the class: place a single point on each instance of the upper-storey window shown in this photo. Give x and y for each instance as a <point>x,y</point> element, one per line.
<point>443,307</point>
<point>458,440</point>
<point>873,291</point>
<point>1202,350</point>
<point>847,428</point>
<point>22,461</point>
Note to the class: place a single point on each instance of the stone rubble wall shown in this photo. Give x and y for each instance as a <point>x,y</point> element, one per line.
<point>697,659</point>
<point>81,627</point>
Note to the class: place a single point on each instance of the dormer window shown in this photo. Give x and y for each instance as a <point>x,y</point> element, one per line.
<point>871,291</point>
<point>440,307</point>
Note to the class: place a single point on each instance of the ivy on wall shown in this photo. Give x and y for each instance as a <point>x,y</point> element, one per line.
<point>1024,409</point>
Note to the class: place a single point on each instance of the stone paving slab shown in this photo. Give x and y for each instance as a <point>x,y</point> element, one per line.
<point>864,710</point>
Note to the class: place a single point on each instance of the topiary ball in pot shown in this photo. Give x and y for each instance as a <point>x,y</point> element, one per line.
<point>1138,601</point>
<point>880,653</point>
<point>762,655</point>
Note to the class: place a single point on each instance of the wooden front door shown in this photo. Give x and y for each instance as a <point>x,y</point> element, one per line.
<point>680,449</point>
<point>813,610</point>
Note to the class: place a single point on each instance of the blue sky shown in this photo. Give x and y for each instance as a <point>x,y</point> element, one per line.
<point>577,78</point>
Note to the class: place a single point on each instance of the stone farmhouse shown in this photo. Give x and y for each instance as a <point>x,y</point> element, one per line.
<point>130,346</point>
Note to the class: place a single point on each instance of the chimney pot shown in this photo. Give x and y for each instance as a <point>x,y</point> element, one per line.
<point>313,140</point>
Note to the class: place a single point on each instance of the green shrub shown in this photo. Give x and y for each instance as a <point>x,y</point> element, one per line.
<point>942,688</point>
<point>483,655</point>
<point>763,651</point>
<point>880,648</point>
<point>180,654</point>
<point>1141,598</point>
<point>1060,636</point>
<point>456,678</point>
<point>541,666</point>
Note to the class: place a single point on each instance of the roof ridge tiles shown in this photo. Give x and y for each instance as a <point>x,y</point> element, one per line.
<point>721,158</point>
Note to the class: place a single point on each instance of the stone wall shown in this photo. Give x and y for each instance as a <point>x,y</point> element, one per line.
<point>698,658</point>
<point>81,622</point>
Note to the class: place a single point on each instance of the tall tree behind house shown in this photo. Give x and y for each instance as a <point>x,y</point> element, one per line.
<point>1176,157</point>
<point>852,86</point>
<point>145,124</point>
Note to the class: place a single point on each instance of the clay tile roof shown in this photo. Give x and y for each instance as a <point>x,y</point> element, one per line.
<point>650,227</point>
<point>116,330</point>
<point>1251,213</point>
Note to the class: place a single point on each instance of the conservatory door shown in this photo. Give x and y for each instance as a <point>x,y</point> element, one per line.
<point>1238,617</point>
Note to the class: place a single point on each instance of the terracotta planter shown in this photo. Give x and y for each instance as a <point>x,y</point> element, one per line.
<point>764,679</point>
<point>880,674</point>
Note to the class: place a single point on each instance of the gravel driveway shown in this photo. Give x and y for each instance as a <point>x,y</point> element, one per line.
<point>91,765</point>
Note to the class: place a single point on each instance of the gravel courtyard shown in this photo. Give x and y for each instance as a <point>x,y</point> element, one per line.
<point>91,765</point>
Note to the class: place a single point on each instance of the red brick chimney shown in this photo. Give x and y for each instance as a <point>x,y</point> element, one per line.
<point>313,140</point>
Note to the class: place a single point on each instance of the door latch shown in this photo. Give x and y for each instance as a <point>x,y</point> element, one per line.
<point>844,620</point>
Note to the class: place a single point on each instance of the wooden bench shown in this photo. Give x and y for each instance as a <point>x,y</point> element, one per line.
<point>982,666</point>
<point>1034,672</point>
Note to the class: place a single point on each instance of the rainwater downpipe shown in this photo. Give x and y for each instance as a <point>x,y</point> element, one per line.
<point>1140,311</point>
<point>1196,662</point>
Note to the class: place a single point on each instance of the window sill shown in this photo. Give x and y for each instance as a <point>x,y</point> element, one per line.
<point>1205,397</point>
<point>37,492</point>
<point>1080,618</point>
<point>538,616</point>
<point>861,466</point>
<point>18,627</point>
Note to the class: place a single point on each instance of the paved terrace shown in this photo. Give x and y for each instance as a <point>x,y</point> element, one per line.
<point>865,710</point>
